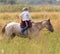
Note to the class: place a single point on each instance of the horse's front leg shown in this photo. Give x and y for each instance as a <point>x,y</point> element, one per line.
<point>29,33</point>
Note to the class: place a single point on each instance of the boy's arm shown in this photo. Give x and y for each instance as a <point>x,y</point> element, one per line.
<point>30,17</point>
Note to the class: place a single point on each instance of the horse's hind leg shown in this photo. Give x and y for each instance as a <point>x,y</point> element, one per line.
<point>13,35</point>
<point>9,34</point>
<point>10,37</point>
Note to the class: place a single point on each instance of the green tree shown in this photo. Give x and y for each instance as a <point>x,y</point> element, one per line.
<point>3,1</point>
<point>11,2</point>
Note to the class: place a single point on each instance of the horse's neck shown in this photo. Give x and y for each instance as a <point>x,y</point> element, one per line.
<point>39,25</point>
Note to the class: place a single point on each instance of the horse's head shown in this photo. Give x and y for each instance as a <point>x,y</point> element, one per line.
<point>48,25</point>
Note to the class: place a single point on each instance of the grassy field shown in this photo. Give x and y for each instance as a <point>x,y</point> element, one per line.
<point>32,8</point>
<point>45,43</point>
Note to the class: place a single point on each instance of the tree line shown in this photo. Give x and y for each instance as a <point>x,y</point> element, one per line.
<point>8,2</point>
<point>32,2</point>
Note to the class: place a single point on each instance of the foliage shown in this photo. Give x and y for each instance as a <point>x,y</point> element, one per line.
<point>32,2</point>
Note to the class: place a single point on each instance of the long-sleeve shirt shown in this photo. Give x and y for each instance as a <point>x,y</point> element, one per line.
<point>25,16</point>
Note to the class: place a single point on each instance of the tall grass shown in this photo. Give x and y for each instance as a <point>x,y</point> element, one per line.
<point>45,43</point>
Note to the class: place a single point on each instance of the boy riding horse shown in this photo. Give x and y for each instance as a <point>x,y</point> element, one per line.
<point>25,20</point>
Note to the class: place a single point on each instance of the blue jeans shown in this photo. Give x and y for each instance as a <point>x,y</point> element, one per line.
<point>23,29</point>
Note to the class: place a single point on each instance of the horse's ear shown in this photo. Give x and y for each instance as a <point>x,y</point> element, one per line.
<point>48,19</point>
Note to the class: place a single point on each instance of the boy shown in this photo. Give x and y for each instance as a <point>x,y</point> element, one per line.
<point>25,19</point>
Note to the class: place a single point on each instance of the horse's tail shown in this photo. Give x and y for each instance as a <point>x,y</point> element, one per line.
<point>3,29</point>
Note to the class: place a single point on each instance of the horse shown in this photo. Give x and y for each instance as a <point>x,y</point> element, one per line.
<point>12,29</point>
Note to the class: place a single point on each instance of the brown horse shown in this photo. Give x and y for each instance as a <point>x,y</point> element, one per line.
<point>14,28</point>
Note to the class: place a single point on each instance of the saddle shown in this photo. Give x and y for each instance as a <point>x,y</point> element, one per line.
<point>24,25</point>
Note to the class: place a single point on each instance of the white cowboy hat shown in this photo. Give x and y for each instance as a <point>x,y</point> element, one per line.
<point>25,9</point>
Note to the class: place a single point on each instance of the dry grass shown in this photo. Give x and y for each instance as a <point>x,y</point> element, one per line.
<point>46,42</point>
